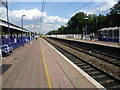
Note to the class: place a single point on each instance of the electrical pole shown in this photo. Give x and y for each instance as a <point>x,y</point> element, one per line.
<point>22,29</point>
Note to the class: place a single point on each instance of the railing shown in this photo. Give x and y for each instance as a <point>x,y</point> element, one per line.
<point>15,43</point>
<point>77,36</point>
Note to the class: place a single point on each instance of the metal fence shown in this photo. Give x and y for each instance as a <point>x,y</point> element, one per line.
<point>15,42</point>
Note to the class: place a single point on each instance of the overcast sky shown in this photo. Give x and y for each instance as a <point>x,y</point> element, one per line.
<point>56,12</point>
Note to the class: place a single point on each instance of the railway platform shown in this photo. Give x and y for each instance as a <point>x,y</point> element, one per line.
<point>104,43</point>
<point>39,65</point>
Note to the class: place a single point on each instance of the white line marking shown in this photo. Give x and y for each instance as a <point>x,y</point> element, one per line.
<point>98,85</point>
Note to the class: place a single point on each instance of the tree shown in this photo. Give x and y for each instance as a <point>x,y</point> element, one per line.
<point>102,21</point>
<point>62,30</point>
<point>92,23</point>
<point>76,23</point>
<point>114,16</point>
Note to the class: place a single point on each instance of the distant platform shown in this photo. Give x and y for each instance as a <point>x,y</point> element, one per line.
<point>105,43</point>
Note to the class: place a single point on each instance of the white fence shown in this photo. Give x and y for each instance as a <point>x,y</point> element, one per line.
<point>77,36</point>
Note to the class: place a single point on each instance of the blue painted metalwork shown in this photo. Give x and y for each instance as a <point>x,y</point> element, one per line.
<point>109,34</point>
<point>10,41</point>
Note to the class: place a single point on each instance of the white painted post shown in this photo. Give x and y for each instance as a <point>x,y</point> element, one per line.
<point>0,54</point>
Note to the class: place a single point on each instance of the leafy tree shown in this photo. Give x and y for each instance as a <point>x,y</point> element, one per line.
<point>92,23</point>
<point>114,16</point>
<point>76,23</point>
<point>102,21</point>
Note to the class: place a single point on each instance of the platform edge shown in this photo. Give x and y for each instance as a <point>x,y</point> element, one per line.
<point>98,85</point>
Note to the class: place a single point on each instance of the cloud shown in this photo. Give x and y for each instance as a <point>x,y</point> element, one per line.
<point>16,15</point>
<point>15,18</point>
<point>48,27</point>
<point>109,4</point>
<point>85,11</point>
<point>29,14</point>
<point>44,29</point>
<point>3,13</point>
<point>54,19</point>
<point>54,0</point>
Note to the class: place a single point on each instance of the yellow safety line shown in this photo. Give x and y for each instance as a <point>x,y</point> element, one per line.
<point>46,69</point>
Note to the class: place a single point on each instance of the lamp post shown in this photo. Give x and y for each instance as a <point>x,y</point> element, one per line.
<point>22,29</point>
<point>5,3</point>
<point>6,6</point>
<point>30,35</point>
<point>96,22</point>
<point>86,27</point>
<point>34,27</point>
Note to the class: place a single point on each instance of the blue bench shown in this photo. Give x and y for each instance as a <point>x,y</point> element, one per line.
<point>5,49</point>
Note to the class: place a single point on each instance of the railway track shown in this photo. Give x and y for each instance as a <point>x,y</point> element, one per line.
<point>99,66</point>
<point>93,53</point>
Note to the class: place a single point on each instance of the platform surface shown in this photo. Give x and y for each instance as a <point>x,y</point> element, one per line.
<point>37,65</point>
<point>105,43</point>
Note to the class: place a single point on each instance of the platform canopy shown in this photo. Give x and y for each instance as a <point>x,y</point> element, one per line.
<point>110,28</point>
<point>5,24</point>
